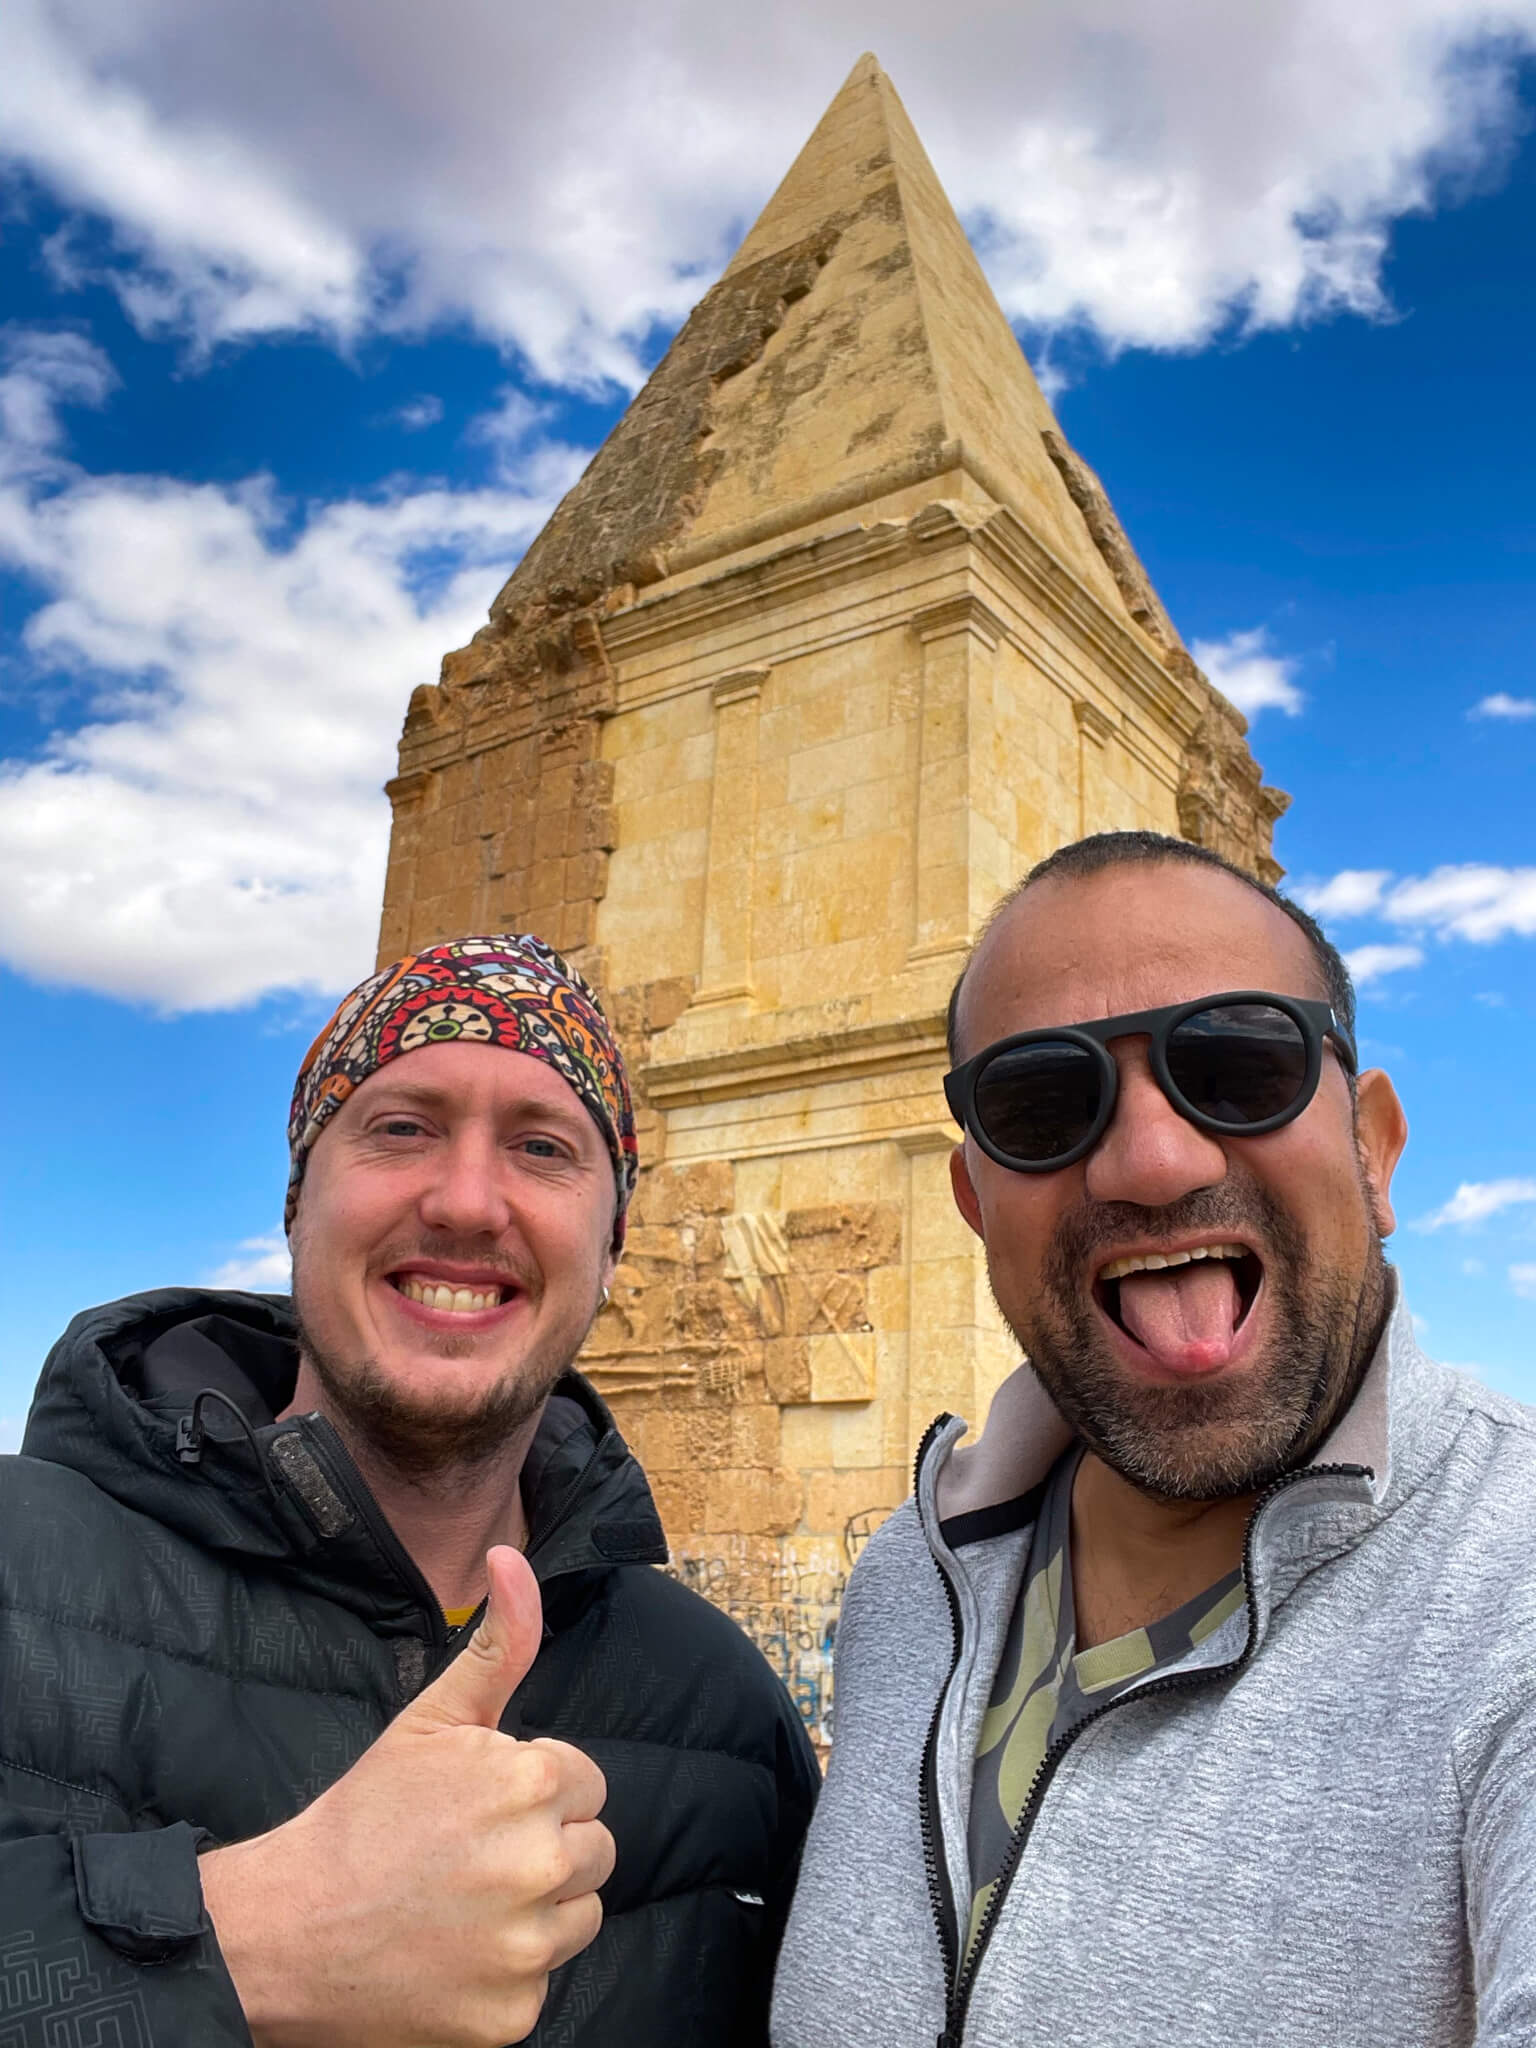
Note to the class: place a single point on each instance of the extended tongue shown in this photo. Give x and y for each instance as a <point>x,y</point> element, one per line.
<point>1186,1316</point>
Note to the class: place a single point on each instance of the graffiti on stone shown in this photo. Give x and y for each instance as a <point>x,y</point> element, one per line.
<point>788,1603</point>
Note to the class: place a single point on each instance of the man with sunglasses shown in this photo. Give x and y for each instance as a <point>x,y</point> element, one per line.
<point>1196,1701</point>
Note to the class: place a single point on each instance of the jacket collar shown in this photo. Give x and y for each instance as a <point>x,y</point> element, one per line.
<point>121,1379</point>
<point>1395,1428</point>
<point>1400,1424</point>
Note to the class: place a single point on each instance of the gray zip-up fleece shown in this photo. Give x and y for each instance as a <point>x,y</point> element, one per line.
<point>1318,1828</point>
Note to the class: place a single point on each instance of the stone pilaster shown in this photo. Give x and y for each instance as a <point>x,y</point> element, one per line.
<point>725,959</point>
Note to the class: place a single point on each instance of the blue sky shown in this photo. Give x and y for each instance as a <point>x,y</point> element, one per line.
<point>299,350</point>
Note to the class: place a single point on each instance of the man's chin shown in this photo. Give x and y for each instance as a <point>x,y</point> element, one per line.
<point>420,1438</point>
<point>1206,1470</point>
<point>1207,1462</point>
<point>1217,1436</point>
<point>434,1410</point>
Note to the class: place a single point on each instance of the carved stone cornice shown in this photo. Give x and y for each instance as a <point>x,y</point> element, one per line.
<point>962,613</point>
<point>749,594</point>
<point>740,684</point>
<point>924,1138</point>
<point>405,790</point>
<point>792,1062</point>
<point>1092,723</point>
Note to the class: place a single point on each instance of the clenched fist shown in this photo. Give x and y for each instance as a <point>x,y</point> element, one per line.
<point>424,1899</point>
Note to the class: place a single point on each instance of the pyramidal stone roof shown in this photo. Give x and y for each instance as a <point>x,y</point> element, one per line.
<point>852,347</point>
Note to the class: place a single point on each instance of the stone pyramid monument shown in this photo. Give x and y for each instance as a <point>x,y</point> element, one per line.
<point>833,639</point>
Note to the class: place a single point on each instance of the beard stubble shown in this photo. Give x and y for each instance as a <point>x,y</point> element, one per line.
<point>1224,1439</point>
<point>406,1429</point>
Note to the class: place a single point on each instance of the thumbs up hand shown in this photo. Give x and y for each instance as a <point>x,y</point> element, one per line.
<point>474,1690</point>
<point>422,1901</point>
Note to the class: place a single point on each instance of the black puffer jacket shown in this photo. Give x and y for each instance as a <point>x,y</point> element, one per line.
<point>197,1650</point>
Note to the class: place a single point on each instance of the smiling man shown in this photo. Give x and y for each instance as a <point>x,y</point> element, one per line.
<point>344,1706</point>
<point>1196,1700</point>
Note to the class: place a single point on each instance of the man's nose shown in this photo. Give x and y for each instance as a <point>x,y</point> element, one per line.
<point>467,1192</point>
<point>1150,1154</point>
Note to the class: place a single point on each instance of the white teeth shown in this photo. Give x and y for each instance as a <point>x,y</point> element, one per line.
<point>459,1301</point>
<point>1152,1262</point>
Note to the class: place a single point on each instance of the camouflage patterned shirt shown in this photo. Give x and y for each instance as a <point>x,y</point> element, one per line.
<point>1044,1685</point>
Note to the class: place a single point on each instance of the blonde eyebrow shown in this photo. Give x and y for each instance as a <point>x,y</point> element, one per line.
<point>417,1094</point>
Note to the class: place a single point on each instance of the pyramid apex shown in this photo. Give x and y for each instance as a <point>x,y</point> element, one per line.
<point>853,338</point>
<point>852,141</point>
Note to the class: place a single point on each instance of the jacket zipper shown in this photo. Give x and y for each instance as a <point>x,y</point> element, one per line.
<point>961,1982</point>
<point>336,1462</point>
<point>550,1526</point>
<point>340,1468</point>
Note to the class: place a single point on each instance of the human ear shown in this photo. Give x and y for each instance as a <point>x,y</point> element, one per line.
<point>1381,1132</point>
<point>965,1193</point>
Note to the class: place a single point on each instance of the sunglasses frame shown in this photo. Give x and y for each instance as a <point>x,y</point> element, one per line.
<point>1315,1021</point>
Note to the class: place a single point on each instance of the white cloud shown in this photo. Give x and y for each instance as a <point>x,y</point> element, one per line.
<point>1369,963</point>
<point>417,413</point>
<point>227,246</point>
<point>1523,1280</point>
<point>510,429</point>
<point>1350,893</point>
<point>1473,901</point>
<point>261,1265</point>
<point>215,828</point>
<point>42,369</point>
<point>565,179</point>
<point>1475,1201</point>
<point>1502,705</point>
<point>1248,674</point>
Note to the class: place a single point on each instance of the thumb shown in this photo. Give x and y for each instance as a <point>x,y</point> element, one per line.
<point>474,1690</point>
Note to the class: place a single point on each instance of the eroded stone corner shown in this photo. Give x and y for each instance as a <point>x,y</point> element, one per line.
<point>1224,801</point>
<point>503,810</point>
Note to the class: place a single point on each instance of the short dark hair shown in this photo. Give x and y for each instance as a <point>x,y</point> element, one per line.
<point>1101,850</point>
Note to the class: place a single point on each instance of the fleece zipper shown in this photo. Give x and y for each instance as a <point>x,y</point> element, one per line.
<point>960,1972</point>
<point>940,1893</point>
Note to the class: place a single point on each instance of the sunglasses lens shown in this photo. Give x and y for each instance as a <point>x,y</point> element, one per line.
<point>1036,1102</point>
<point>1238,1063</point>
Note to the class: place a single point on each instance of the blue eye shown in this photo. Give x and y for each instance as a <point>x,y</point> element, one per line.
<point>542,1148</point>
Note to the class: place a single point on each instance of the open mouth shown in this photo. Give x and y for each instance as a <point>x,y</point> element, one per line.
<point>452,1297</point>
<point>1187,1309</point>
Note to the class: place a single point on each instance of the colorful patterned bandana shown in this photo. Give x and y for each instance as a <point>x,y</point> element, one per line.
<point>509,991</point>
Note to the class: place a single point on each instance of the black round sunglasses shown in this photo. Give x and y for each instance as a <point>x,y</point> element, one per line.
<point>1236,1065</point>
